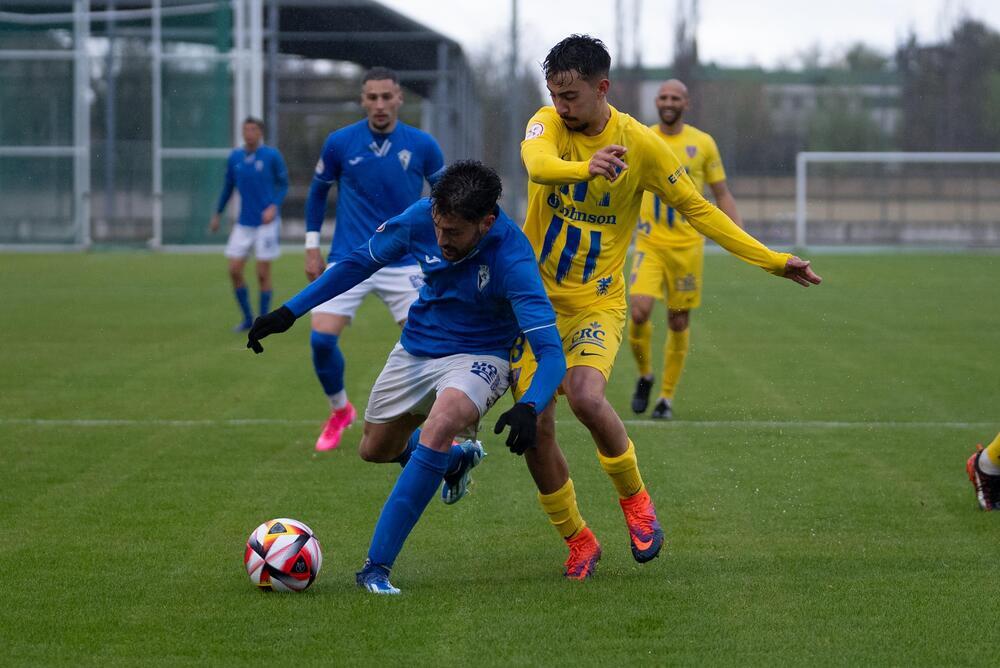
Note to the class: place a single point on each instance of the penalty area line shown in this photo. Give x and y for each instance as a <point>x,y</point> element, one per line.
<point>671,424</point>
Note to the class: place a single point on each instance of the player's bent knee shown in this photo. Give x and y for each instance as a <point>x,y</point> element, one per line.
<point>377,450</point>
<point>640,308</point>
<point>328,323</point>
<point>678,321</point>
<point>586,403</point>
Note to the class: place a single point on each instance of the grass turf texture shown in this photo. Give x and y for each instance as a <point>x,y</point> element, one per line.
<point>800,542</point>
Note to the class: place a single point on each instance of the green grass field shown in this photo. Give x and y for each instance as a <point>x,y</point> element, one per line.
<point>812,486</point>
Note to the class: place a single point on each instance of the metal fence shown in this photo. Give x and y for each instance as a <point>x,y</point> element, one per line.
<point>116,116</point>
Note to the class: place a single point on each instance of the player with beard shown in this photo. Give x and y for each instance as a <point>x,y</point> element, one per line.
<point>669,252</point>
<point>380,165</point>
<point>588,166</point>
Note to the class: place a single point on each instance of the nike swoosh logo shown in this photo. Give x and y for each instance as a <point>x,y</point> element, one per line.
<point>584,353</point>
<point>642,544</point>
<point>431,260</point>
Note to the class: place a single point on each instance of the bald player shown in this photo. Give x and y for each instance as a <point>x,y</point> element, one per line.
<point>669,253</point>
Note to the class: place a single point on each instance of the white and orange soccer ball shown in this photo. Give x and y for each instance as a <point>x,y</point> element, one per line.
<point>283,555</point>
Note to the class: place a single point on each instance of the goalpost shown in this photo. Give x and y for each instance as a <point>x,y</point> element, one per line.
<point>192,69</point>
<point>930,199</point>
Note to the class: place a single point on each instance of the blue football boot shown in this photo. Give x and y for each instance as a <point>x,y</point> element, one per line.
<point>456,485</point>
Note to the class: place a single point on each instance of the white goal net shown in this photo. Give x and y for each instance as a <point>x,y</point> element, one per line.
<point>853,199</point>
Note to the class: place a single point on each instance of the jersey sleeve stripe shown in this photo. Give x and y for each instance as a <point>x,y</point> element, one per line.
<point>532,329</point>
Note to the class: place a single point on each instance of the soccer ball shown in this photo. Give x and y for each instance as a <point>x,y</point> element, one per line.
<point>282,555</point>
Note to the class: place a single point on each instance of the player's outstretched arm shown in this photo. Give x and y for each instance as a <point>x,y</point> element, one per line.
<point>275,322</point>
<point>343,276</point>
<point>800,271</point>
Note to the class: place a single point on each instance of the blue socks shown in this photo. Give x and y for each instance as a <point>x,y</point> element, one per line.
<point>243,299</point>
<point>414,489</point>
<point>265,301</point>
<point>454,455</point>
<point>328,362</point>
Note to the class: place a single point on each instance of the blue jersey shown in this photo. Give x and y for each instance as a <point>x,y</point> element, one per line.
<point>262,179</point>
<point>378,176</point>
<point>477,305</point>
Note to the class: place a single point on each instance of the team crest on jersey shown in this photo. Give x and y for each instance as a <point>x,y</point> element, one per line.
<point>484,276</point>
<point>593,334</point>
<point>534,130</point>
<point>603,284</point>
<point>691,151</point>
<point>488,372</point>
<point>404,158</point>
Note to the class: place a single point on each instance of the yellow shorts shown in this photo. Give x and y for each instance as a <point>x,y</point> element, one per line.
<point>590,337</point>
<point>672,274</point>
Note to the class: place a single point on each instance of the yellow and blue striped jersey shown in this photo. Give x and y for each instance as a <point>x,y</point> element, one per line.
<point>581,227</point>
<point>660,225</point>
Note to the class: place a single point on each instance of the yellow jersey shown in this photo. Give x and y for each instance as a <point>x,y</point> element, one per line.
<point>581,227</point>
<point>660,225</point>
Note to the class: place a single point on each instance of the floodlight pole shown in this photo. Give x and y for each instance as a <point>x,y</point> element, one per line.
<point>81,122</point>
<point>272,72</point>
<point>255,41</point>
<point>156,50</point>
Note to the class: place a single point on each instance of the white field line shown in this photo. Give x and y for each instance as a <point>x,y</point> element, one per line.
<point>693,424</point>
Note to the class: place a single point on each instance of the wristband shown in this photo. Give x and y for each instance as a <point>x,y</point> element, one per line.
<point>312,240</point>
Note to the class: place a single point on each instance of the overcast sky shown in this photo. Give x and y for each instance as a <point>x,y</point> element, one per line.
<point>730,32</point>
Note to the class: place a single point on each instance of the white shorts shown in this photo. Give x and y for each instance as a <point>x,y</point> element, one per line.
<point>263,240</point>
<point>409,384</point>
<point>396,286</point>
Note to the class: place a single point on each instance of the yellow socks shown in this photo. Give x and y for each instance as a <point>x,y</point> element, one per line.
<point>674,353</point>
<point>640,337</point>
<point>561,508</point>
<point>623,471</point>
<point>993,451</point>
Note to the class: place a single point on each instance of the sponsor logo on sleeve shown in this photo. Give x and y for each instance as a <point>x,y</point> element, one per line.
<point>534,130</point>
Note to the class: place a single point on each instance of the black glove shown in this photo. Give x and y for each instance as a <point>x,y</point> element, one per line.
<point>521,419</point>
<point>275,322</point>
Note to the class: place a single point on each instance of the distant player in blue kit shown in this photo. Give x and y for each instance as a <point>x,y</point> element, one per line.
<point>258,172</point>
<point>482,287</point>
<point>380,165</point>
